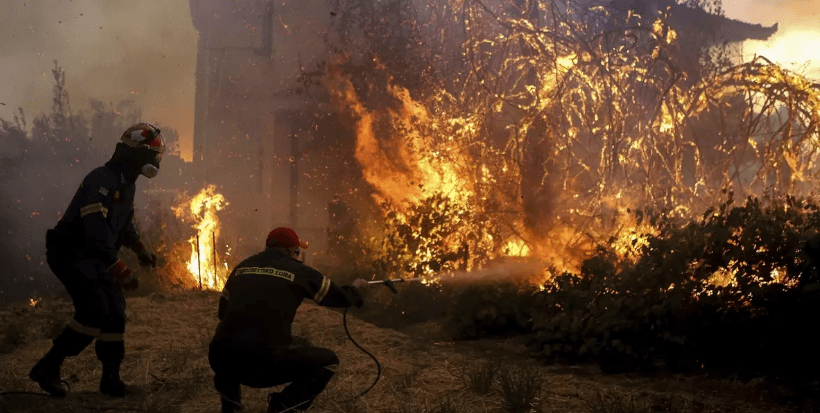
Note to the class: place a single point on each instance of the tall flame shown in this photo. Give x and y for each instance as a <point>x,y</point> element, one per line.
<point>420,157</point>
<point>202,210</point>
<point>411,165</point>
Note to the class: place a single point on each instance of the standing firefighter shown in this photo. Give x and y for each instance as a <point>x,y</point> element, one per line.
<point>252,344</point>
<point>82,252</point>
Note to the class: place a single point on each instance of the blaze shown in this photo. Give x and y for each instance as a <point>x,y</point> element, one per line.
<point>205,262</point>
<point>516,247</point>
<point>422,158</point>
<point>413,163</point>
<point>550,149</point>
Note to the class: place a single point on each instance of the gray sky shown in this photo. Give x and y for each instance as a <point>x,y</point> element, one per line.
<point>146,51</point>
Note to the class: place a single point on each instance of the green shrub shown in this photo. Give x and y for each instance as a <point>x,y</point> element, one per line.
<point>490,309</point>
<point>667,307</point>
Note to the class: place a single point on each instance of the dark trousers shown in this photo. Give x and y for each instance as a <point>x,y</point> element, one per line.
<point>305,368</point>
<point>99,307</point>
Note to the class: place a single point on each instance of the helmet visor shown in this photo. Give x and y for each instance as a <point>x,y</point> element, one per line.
<point>156,143</point>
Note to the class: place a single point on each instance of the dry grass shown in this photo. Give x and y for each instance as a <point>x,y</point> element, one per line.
<point>166,354</point>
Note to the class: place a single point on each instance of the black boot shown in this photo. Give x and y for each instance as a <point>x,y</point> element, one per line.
<point>112,385</point>
<point>276,403</point>
<point>279,403</point>
<point>300,394</point>
<point>47,373</point>
<point>231,397</point>
<point>229,404</point>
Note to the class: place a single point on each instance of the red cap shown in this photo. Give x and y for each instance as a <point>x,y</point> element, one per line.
<point>284,238</point>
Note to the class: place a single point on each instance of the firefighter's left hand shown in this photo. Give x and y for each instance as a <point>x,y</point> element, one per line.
<point>146,258</point>
<point>132,283</point>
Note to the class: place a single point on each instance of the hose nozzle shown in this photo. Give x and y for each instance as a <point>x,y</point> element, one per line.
<point>391,284</point>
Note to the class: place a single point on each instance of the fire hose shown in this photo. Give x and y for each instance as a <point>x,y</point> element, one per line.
<point>391,285</point>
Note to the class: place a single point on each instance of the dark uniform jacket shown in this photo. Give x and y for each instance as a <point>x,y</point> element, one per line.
<point>261,296</point>
<point>100,218</point>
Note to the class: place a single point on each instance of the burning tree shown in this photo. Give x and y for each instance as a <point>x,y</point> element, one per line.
<point>548,123</point>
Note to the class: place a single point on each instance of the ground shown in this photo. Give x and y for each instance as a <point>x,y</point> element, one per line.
<point>166,354</point>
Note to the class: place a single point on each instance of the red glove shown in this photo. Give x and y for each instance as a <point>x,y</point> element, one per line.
<point>127,279</point>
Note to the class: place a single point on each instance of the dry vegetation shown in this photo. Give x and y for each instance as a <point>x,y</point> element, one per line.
<point>167,341</point>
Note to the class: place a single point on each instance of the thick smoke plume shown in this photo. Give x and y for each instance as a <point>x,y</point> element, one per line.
<point>140,51</point>
<point>123,62</point>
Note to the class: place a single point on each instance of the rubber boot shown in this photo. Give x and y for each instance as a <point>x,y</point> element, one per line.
<point>111,384</point>
<point>229,405</point>
<point>277,403</point>
<point>231,398</point>
<point>46,373</point>
<point>299,395</point>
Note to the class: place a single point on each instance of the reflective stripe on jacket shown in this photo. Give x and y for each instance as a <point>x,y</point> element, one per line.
<point>262,294</point>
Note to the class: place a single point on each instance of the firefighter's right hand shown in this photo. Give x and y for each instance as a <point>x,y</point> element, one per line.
<point>127,279</point>
<point>361,285</point>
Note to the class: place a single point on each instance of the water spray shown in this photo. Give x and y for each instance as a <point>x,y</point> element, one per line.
<point>391,285</point>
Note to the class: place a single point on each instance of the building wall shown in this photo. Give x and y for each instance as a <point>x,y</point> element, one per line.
<point>249,59</point>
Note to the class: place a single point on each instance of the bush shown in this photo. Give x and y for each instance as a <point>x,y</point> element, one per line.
<point>520,387</point>
<point>480,377</point>
<point>729,292</point>
<point>492,309</point>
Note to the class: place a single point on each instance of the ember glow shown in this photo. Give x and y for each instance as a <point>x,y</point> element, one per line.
<point>558,137</point>
<point>417,157</point>
<point>201,211</point>
<point>419,163</point>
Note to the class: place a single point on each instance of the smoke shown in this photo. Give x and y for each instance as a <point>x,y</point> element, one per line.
<point>111,51</point>
<point>797,40</point>
<point>139,52</point>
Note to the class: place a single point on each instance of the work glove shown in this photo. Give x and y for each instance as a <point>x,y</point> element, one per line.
<point>361,284</point>
<point>146,258</point>
<point>127,279</point>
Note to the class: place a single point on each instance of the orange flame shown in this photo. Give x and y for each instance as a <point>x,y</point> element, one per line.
<point>418,165</point>
<point>202,211</point>
<point>421,154</point>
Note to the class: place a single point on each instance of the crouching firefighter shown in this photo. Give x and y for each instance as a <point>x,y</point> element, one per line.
<point>252,343</point>
<point>82,251</point>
